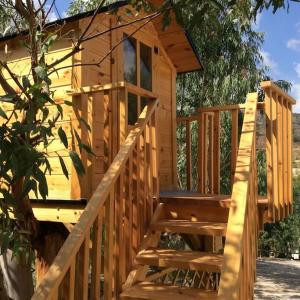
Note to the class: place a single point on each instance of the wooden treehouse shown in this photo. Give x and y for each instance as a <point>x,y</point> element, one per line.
<point>128,204</point>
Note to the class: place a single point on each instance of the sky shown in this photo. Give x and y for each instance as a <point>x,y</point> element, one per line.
<point>281,48</point>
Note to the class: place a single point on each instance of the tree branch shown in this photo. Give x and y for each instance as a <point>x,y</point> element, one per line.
<point>77,47</point>
<point>97,64</point>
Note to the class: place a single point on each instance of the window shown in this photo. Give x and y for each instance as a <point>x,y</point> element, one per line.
<point>137,71</point>
<point>132,109</point>
<point>144,102</point>
<point>146,67</point>
<point>130,60</point>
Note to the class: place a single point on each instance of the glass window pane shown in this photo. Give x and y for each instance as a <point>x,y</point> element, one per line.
<point>132,109</point>
<point>130,60</point>
<point>144,102</point>
<point>146,67</point>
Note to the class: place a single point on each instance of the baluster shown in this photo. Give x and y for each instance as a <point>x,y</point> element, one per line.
<point>275,156</point>
<point>109,247</point>
<point>188,155</point>
<point>289,161</point>
<point>285,155</point>
<point>130,214</point>
<point>135,196</point>
<point>82,268</point>
<point>269,138</point>
<point>72,280</point>
<point>96,256</point>
<point>120,229</point>
<point>216,159</point>
<point>280,157</point>
<point>234,140</point>
<point>148,174</point>
<point>154,160</point>
<point>210,169</point>
<point>202,152</point>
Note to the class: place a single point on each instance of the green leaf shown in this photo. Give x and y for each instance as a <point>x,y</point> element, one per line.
<point>3,114</point>
<point>78,139</point>
<point>63,137</point>
<point>69,103</point>
<point>26,82</point>
<point>77,163</point>
<point>41,72</point>
<point>63,166</point>
<point>43,186</point>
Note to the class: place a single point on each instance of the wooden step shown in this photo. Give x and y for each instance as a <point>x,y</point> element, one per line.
<point>151,291</point>
<point>188,197</point>
<point>190,227</point>
<point>193,260</point>
<point>193,198</point>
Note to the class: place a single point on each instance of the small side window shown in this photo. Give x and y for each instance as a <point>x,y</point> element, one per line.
<point>146,67</point>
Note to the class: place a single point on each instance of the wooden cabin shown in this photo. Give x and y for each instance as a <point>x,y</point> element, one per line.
<point>129,194</point>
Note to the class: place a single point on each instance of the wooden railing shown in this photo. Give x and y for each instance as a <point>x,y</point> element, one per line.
<point>238,270</point>
<point>209,127</point>
<point>277,111</point>
<point>279,144</point>
<point>97,256</point>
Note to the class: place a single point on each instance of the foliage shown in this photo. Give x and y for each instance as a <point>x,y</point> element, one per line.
<point>230,53</point>
<point>282,238</point>
<point>28,129</point>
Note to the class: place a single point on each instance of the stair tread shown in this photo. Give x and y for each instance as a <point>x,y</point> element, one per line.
<point>193,260</point>
<point>190,227</point>
<point>151,291</point>
<point>188,197</point>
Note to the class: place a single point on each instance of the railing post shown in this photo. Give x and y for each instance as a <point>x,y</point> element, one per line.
<point>234,140</point>
<point>188,155</point>
<point>109,247</point>
<point>216,162</point>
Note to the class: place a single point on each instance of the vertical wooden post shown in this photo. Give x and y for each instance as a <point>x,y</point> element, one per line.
<point>269,155</point>
<point>216,157</point>
<point>109,247</point>
<point>275,154</point>
<point>72,280</point>
<point>123,114</point>
<point>96,257</point>
<point>280,156</point>
<point>201,152</point>
<point>290,155</point>
<point>188,155</point>
<point>82,269</point>
<point>210,156</point>
<point>234,140</point>
<point>285,154</point>
<point>155,157</point>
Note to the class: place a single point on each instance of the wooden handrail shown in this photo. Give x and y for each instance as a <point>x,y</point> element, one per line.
<point>265,85</point>
<point>77,244</point>
<point>238,270</point>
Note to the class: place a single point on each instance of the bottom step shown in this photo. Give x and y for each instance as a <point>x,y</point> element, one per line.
<point>151,291</point>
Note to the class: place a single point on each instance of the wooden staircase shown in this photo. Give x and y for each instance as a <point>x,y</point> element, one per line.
<point>185,214</point>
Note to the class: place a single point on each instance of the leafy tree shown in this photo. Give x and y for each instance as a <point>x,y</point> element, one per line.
<point>230,53</point>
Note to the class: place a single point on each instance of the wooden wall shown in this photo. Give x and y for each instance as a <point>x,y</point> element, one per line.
<point>98,108</point>
<point>18,61</point>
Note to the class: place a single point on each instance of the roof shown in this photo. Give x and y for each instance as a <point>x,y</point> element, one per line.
<point>178,44</point>
<point>175,39</point>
